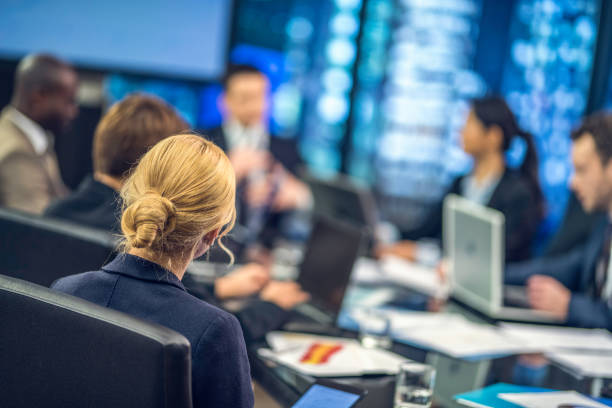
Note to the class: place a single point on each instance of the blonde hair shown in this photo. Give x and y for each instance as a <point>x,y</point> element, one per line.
<point>182,189</point>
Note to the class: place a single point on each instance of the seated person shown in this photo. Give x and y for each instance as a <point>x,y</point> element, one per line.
<point>487,135</point>
<point>266,166</point>
<point>576,286</point>
<point>125,133</point>
<point>42,106</point>
<point>177,202</point>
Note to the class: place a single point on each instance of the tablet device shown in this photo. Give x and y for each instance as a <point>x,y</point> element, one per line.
<point>328,394</point>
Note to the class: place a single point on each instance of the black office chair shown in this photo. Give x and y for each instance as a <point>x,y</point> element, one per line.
<point>41,250</point>
<point>60,351</point>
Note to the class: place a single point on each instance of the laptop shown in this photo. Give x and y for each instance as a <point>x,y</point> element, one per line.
<point>342,199</point>
<point>325,272</point>
<point>475,246</point>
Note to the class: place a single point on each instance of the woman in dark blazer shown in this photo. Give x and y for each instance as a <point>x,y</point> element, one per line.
<point>177,201</point>
<point>487,135</point>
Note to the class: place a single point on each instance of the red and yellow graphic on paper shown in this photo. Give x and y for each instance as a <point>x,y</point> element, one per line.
<point>320,353</point>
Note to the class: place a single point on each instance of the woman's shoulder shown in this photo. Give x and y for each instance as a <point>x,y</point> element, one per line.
<point>203,308</point>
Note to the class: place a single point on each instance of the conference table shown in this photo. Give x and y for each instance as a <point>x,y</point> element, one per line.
<point>453,375</point>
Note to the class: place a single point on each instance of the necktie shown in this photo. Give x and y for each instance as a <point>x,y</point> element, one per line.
<point>601,272</point>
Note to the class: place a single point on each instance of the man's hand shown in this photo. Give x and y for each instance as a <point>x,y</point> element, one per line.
<point>286,295</point>
<point>292,193</point>
<point>246,161</point>
<point>548,294</point>
<point>244,281</point>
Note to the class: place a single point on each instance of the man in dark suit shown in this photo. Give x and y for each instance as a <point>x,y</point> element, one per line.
<point>266,166</point>
<point>576,287</point>
<point>126,132</point>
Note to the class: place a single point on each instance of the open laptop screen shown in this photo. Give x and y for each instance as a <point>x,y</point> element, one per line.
<point>474,241</point>
<point>330,254</point>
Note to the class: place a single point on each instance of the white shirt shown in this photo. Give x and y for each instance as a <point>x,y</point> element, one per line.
<point>253,137</point>
<point>33,131</point>
<point>479,192</point>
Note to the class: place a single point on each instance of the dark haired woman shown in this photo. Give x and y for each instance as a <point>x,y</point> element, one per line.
<point>486,137</point>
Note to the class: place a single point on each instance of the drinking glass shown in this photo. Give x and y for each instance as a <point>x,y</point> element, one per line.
<point>414,386</point>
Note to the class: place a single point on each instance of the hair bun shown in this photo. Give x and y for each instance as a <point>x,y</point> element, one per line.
<point>148,220</point>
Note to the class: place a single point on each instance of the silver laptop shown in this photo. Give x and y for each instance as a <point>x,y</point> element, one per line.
<point>475,247</point>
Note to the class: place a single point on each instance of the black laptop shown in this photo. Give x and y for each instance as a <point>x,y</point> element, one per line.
<point>325,272</point>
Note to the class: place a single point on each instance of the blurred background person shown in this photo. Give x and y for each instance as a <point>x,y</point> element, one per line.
<point>266,166</point>
<point>576,286</point>
<point>487,135</point>
<point>126,132</point>
<point>42,106</point>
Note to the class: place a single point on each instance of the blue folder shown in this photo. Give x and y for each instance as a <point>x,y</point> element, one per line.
<point>487,397</point>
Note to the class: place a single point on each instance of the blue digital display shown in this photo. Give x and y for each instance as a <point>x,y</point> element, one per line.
<point>188,39</point>
<point>319,396</point>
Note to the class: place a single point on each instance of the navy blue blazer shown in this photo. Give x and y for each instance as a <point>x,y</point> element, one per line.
<point>220,368</point>
<point>576,270</point>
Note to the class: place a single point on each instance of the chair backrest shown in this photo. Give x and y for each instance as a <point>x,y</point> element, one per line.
<point>41,250</point>
<point>57,350</point>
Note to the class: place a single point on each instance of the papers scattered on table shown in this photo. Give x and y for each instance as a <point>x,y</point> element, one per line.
<point>322,356</point>
<point>596,365</point>
<point>397,271</point>
<point>462,339</point>
<point>551,399</point>
<point>545,338</point>
<point>450,334</point>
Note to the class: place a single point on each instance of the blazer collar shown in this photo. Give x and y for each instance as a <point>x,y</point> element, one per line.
<point>139,268</point>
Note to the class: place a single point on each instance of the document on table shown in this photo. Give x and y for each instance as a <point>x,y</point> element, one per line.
<point>397,271</point>
<point>463,340</point>
<point>545,338</point>
<point>595,365</point>
<point>323,356</point>
<point>551,399</point>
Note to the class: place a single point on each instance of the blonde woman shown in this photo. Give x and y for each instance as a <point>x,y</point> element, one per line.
<point>177,202</point>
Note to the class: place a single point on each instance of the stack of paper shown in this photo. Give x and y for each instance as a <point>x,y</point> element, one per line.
<point>322,356</point>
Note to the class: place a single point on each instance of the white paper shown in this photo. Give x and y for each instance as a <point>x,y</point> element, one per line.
<point>421,278</point>
<point>545,338</point>
<point>595,365</point>
<point>463,339</point>
<point>397,271</point>
<point>550,399</point>
<point>352,360</point>
<point>448,333</point>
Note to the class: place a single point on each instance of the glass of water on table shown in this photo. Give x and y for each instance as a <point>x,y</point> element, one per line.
<point>414,386</point>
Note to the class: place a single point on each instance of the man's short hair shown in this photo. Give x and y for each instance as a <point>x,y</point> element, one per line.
<point>39,72</point>
<point>239,69</point>
<point>599,126</point>
<point>129,129</point>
